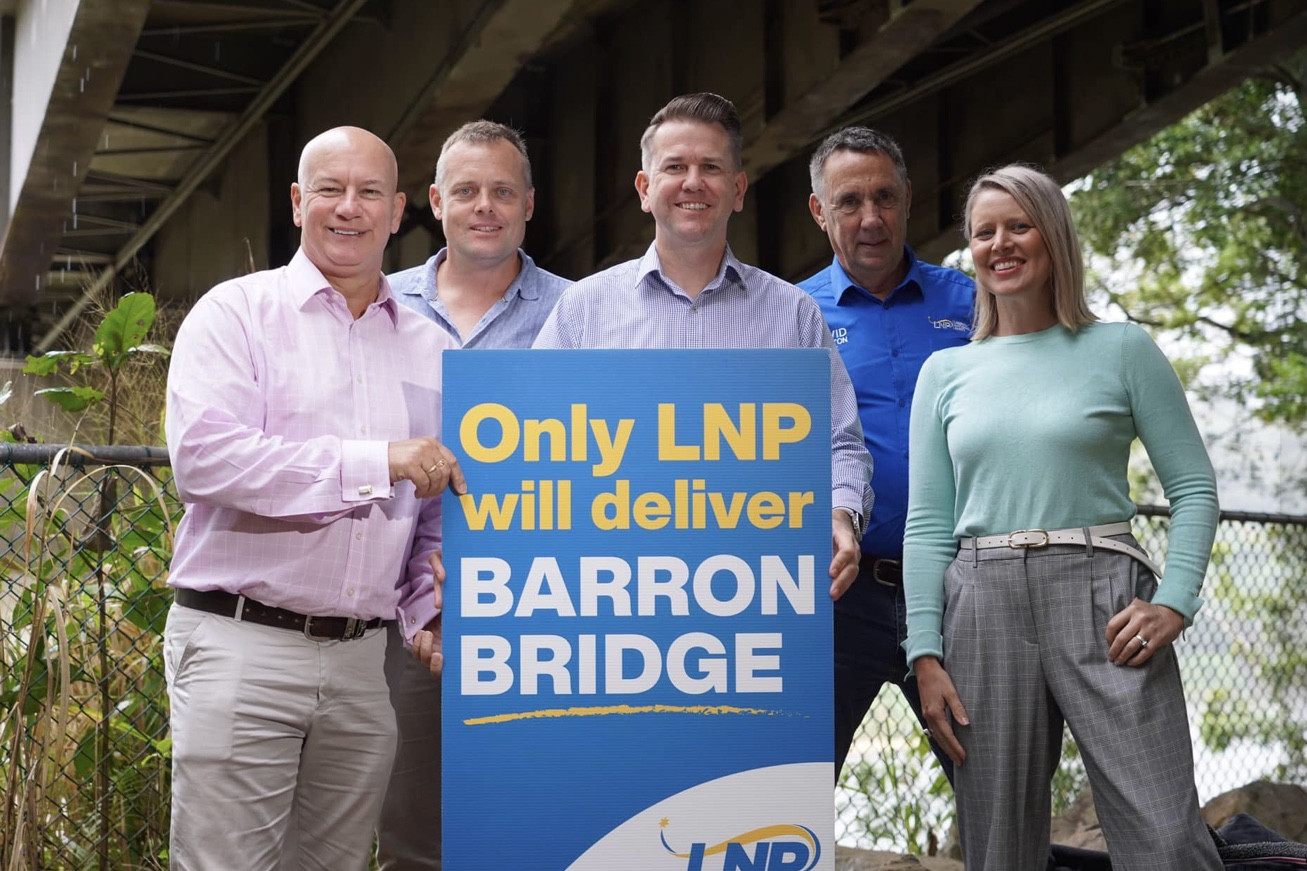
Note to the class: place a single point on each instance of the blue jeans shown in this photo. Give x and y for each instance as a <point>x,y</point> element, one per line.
<point>870,625</point>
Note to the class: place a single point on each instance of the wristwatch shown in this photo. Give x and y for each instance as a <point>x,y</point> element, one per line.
<point>856,519</point>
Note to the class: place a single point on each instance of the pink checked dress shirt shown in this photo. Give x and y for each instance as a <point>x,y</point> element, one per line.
<point>280,408</point>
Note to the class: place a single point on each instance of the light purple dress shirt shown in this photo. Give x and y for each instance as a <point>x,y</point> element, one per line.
<point>280,409</point>
<point>633,305</point>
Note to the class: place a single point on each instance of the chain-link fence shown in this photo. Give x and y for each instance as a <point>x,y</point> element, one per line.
<point>1244,663</point>
<point>84,750</point>
<point>85,536</point>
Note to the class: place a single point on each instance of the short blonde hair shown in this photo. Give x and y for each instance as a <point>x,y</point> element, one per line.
<point>484,132</point>
<point>1041,198</point>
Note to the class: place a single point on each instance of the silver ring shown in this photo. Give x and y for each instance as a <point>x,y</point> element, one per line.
<point>1143,642</point>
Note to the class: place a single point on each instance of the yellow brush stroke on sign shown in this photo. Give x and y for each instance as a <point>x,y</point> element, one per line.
<point>621,710</point>
<point>762,834</point>
<point>765,833</point>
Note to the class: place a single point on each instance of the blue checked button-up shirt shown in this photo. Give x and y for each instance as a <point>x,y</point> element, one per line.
<point>884,345</point>
<point>510,323</point>
<point>633,305</point>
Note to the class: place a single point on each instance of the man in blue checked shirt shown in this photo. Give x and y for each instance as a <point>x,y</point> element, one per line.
<point>484,291</point>
<point>689,291</point>
<point>888,312</point>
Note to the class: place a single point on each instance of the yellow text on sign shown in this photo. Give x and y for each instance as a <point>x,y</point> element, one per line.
<point>782,423</point>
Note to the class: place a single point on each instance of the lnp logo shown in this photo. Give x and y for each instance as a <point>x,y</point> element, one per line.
<point>782,847</point>
<point>949,324</point>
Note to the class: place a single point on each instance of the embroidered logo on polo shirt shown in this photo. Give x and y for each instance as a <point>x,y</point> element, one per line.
<point>949,324</point>
<point>841,335</point>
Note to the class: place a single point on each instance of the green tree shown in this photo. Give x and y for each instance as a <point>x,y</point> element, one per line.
<point>1201,233</point>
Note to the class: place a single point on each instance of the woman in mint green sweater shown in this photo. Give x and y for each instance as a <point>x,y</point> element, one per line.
<point>1029,602</point>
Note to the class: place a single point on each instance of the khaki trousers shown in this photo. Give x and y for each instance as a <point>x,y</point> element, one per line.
<point>281,745</point>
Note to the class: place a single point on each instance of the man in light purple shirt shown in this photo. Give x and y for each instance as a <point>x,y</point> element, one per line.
<point>689,291</point>
<point>485,292</point>
<point>303,416</point>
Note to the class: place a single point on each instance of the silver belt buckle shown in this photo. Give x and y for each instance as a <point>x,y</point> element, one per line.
<point>1012,542</point>
<point>308,631</point>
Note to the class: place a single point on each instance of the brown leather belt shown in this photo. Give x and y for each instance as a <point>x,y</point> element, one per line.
<point>887,572</point>
<point>243,608</point>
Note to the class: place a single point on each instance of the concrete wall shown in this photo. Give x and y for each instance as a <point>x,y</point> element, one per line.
<point>40,41</point>
<point>223,227</point>
<point>373,73</point>
<point>1069,100</point>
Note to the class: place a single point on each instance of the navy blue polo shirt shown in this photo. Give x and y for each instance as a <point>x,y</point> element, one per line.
<point>883,345</point>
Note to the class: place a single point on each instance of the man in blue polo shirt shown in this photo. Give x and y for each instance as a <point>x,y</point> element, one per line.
<point>888,312</point>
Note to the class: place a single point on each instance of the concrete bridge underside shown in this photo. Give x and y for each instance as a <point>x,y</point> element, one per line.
<point>151,143</point>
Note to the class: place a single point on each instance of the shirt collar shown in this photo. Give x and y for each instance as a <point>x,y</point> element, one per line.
<point>841,283</point>
<point>520,286</point>
<point>307,281</point>
<point>731,269</point>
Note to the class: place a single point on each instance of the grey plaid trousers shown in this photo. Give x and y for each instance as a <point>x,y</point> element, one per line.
<point>1025,644</point>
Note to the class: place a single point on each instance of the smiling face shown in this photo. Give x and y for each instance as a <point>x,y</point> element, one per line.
<point>483,201</point>
<point>691,184</point>
<point>346,204</point>
<point>1008,250</point>
<point>863,209</point>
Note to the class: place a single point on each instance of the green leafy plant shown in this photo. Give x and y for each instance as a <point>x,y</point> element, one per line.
<point>84,754</point>
<point>119,341</point>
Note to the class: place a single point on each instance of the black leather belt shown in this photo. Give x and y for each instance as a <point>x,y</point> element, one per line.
<point>887,572</point>
<point>242,608</point>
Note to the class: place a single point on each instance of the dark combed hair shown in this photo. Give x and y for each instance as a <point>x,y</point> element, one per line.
<point>705,108</point>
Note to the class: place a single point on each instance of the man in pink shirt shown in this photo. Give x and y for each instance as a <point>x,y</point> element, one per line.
<point>303,417</point>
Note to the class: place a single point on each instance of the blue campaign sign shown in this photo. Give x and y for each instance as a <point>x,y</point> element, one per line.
<point>637,623</point>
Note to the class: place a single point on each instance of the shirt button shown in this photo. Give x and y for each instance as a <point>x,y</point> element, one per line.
<point>350,592</point>
<point>358,536</point>
<point>363,430</point>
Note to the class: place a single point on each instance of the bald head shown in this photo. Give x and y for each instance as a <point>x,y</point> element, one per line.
<point>354,140</point>
<point>345,201</point>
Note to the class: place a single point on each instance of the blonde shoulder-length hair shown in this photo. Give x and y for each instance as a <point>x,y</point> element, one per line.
<point>1040,198</point>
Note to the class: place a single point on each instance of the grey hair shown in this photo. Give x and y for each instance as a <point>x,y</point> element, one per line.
<point>861,140</point>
